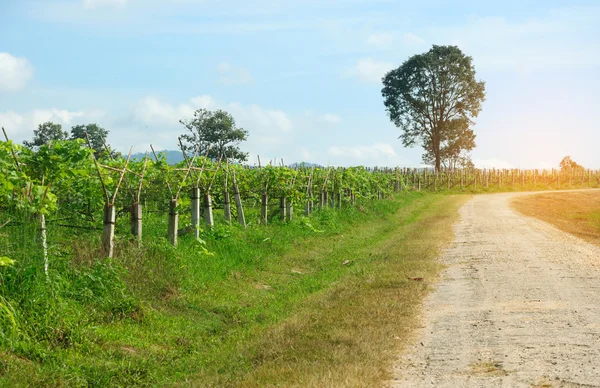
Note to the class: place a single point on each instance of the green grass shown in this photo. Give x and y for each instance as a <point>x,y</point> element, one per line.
<point>270,305</point>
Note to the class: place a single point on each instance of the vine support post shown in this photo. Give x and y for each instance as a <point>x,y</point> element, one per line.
<point>108,234</point>
<point>136,222</point>
<point>195,196</point>
<point>289,210</point>
<point>173,222</point>
<point>282,208</point>
<point>338,200</point>
<point>208,213</point>
<point>238,203</point>
<point>307,207</point>
<point>264,209</point>
<point>227,207</point>
<point>43,237</point>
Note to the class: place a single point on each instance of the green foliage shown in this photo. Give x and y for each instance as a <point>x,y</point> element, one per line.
<point>433,98</point>
<point>45,133</point>
<point>97,138</point>
<point>217,130</point>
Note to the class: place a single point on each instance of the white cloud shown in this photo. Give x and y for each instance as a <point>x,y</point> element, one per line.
<point>15,72</point>
<point>376,154</point>
<point>151,111</point>
<point>20,126</point>
<point>370,70</point>
<point>11,121</point>
<point>231,75</point>
<point>93,4</point>
<point>411,39</point>
<point>560,39</point>
<point>380,39</point>
<point>332,118</point>
<point>492,163</point>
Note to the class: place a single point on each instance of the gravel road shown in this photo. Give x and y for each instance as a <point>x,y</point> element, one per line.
<point>518,306</point>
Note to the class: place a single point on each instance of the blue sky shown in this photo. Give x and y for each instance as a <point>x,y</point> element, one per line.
<point>302,76</point>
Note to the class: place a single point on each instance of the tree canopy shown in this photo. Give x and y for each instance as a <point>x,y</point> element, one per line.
<point>434,97</point>
<point>567,165</point>
<point>97,137</point>
<point>217,130</point>
<point>45,133</point>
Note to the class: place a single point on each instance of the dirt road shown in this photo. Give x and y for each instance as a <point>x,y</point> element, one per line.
<point>518,306</point>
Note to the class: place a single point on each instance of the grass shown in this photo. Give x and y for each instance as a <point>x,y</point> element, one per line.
<point>577,213</point>
<point>320,301</point>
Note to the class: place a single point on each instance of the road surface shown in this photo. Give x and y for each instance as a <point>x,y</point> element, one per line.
<point>518,306</point>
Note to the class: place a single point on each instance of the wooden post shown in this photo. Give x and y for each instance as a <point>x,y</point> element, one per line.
<point>282,208</point>
<point>338,200</point>
<point>238,203</point>
<point>195,196</point>
<point>173,222</point>
<point>307,208</point>
<point>264,209</point>
<point>108,235</point>
<point>136,221</point>
<point>289,210</point>
<point>208,213</point>
<point>227,207</point>
<point>44,239</point>
<point>487,178</point>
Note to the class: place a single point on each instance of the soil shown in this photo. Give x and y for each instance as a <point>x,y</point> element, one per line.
<point>517,306</point>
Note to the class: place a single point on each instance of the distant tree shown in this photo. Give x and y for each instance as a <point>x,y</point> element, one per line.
<point>433,98</point>
<point>567,165</point>
<point>217,130</point>
<point>97,137</point>
<point>45,133</point>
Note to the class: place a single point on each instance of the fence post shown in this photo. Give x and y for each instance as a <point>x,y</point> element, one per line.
<point>208,213</point>
<point>227,207</point>
<point>196,211</point>
<point>289,210</point>
<point>238,203</point>
<point>173,222</point>
<point>264,209</point>
<point>282,208</point>
<point>44,239</point>
<point>108,235</point>
<point>136,222</point>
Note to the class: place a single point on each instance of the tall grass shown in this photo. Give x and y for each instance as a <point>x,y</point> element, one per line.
<point>155,313</point>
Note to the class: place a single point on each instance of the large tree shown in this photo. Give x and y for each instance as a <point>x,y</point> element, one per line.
<point>96,135</point>
<point>45,133</point>
<point>217,130</point>
<point>567,165</point>
<point>434,97</point>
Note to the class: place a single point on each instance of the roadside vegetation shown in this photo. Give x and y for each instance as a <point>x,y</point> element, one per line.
<point>314,301</point>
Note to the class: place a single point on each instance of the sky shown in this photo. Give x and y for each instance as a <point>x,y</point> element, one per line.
<point>302,76</point>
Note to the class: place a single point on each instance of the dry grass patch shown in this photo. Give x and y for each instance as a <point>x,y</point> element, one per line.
<point>350,334</point>
<point>577,213</point>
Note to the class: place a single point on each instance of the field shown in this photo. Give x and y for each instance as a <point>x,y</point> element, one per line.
<point>310,302</point>
<point>242,276</point>
<point>577,213</point>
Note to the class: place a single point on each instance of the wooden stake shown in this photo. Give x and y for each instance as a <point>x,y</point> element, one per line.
<point>264,209</point>
<point>195,197</point>
<point>208,213</point>
<point>173,222</point>
<point>238,203</point>
<point>136,222</point>
<point>108,235</point>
